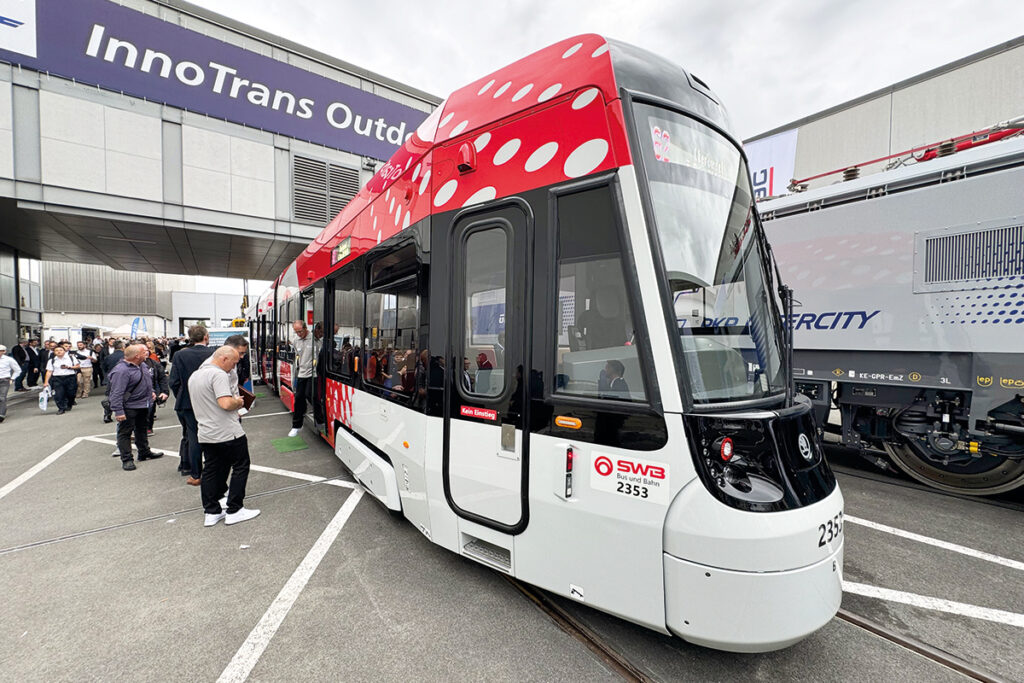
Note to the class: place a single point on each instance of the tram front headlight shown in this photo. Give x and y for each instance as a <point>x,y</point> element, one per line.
<point>740,460</point>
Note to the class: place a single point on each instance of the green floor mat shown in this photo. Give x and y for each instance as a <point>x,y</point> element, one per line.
<point>260,394</point>
<point>289,444</point>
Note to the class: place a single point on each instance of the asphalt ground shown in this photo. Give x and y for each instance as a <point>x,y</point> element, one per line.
<point>110,575</point>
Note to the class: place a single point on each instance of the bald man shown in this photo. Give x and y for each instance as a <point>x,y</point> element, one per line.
<point>131,394</point>
<point>225,449</point>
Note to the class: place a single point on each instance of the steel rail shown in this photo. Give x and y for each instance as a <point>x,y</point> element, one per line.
<point>611,657</point>
<point>950,661</point>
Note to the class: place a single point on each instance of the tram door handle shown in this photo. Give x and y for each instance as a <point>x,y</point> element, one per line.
<point>508,437</point>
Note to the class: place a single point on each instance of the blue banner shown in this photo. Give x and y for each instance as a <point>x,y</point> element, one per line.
<point>117,48</point>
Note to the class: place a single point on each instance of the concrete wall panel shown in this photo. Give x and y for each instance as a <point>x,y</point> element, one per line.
<point>206,189</point>
<point>70,119</point>
<point>252,160</point>
<point>6,131</point>
<point>70,164</point>
<point>252,197</point>
<point>205,149</point>
<point>134,176</point>
<point>971,98</point>
<point>132,133</point>
<point>844,138</point>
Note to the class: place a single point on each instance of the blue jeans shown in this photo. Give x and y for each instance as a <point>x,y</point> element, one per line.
<point>189,449</point>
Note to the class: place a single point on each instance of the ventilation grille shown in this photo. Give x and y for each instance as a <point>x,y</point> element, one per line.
<point>320,190</point>
<point>979,255</point>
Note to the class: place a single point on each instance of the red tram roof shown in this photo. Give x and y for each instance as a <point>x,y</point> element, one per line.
<point>570,83</point>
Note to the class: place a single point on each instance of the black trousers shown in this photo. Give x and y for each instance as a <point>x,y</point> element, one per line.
<point>302,386</point>
<point>64,388</point>
<point>134,421</point>
<point>221,459</point>
<point>189,449</point>
<point>19,382</point>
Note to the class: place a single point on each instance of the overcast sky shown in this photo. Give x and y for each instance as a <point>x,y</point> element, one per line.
<point>771,62</point>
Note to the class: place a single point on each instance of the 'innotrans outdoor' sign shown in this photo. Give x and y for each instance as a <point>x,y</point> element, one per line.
<point>120,49</point>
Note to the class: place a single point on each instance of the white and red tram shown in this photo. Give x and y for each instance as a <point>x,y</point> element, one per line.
<point>546,333</point>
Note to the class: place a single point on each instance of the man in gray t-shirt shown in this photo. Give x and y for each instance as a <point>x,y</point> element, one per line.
<point>225,449</point>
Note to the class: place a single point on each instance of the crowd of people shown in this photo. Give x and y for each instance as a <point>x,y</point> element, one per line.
<point>209,398</point>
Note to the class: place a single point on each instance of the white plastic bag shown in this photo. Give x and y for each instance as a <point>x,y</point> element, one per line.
<point>44,397</point>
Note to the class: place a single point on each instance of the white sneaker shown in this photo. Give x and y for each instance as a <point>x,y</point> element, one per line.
<point>294,431</point>
<point>212,519</point>
<point>243,515</point>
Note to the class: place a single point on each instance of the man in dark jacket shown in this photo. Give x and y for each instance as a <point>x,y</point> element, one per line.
<point>45,354</point>
<point>33,362</point>
<point>186,361</point>
<point>160,388</point>
<point>131,394</point>
<point>20,355</point>
<point>108,364</point>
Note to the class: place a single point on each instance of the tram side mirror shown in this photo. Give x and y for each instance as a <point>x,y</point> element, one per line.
<point>467,157</point>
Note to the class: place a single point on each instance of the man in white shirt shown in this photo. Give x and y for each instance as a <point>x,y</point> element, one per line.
<point>10,370</point>
<point>85,357</point>
<point>60,374</point>
<point>302,344</point>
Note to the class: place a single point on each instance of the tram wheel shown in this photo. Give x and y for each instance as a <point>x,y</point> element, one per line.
<point>1003,475</point>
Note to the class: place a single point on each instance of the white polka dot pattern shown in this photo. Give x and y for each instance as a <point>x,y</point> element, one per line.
<point>549,92</point>
<point>579,136</point>
<point>522,92</point>
<point>586,158</point>
<point>541,156</point>
<point>507,151</point>
<point>480,196</point>
<point>446,192</point>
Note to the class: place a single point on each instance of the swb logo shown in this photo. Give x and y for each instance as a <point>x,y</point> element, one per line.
<point>18,26</point>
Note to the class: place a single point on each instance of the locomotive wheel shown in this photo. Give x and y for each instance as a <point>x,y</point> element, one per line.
<point>1000,476</point>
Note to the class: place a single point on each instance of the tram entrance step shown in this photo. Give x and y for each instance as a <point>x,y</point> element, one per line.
<point>489,554</point>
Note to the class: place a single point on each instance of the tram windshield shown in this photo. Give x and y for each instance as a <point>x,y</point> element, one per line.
<point>704,217</point>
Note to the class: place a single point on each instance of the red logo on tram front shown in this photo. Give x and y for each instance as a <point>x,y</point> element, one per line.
<point>482,413</point>
<point>603,465</point>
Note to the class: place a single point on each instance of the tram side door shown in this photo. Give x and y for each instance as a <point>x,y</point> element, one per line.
<point>486,434</point>
<point>313,315</point>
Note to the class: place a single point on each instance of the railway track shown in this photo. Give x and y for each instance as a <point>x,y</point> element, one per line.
<point>601,648</point>
<point>621,665</point>
<point>950,661</point>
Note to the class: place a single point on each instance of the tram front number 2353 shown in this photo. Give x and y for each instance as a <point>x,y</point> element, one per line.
<point>830,530</point>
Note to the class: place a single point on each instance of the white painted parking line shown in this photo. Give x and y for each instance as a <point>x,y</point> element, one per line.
<point>946,545</point>
<point>252,649</point>
<point>36,469</point>
<point>255,468</point>
<point>937,604</point>
<point>178,426</point>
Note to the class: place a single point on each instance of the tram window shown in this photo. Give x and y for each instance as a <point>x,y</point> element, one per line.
<point>348,324</point>
<point>392,318</point>
<point>595,346</point>
<point>284,329</point>
<point>485,303</point>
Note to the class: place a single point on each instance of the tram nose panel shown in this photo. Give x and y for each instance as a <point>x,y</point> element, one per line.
<point>749,611</point>
<point>750,581</point>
